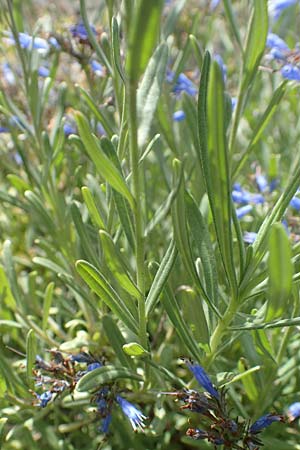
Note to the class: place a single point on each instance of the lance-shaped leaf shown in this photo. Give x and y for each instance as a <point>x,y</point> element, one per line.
<point>213,153</point>
<point>142,37</point>
<point>102,375</point>
<point>30,357</point>
<point>116,265</point>
<point>103,164</point>
<point>149,91</point>
<point>96,281</point>
<point>280,271</point>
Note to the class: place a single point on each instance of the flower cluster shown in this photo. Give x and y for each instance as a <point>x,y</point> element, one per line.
<point>218,427</point>
<point>61,374</point>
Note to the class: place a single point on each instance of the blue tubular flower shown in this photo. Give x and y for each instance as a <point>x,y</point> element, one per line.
<point>249,237</point>
<point>294,411</point>
<point>105,424</point>
<point>79,31</point>
<point>183,84</point>
<point>261,182</point>
<point>202,378</point>
<point>178,116</point>
<point>135,416</point>
<point>274,41</point>
<point>82,357</point>
<point>8,74</point>
<point>44,398</point>
<point>97,68</point>
<point>295,203</point>
<point>290,72</point>
<point>43,71</point>
<point>243,211</point>
<point>4,129</point>
<point>264,422</point>
<point>93,366</point>
<point>70,129</point>
<point>233,103</point>
<point>27,41</point>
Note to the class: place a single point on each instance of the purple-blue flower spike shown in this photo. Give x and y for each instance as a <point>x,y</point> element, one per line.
<point>243,211</point>
<point>290,72</point>
<point>202,378</point>
<point>135,416</point>
<point>179,116</point>
<point>264,422</point>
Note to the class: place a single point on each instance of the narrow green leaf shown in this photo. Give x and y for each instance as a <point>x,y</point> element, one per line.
<point>92,208</point>
<point>31,352</point>
<point>172,17</point>
<point>134,349</point>
<point>213,154</point>
<point>232,21</point>
<point>149,91</point>
<point>280,271</point>
<point>104,290</point>
<point>103,165</point>
<point>246,375</point>
<point>103,375</point>
<point>171,306</point>
<point>45,262</point>
<point>47,304</point>
<point>142,36</point>
<point>115,37</point>
<point>97,112</point>
<point>11,272</point>
<point>3,421</point>
<point>161,277</point>
<point>5,291</point>
<point>193,314</point>
<point>114,261</point>
<point>116,340</point>
<point>261,125</point>
<point>256,40</point>
<point>88,247</point>
<point>202,246</point>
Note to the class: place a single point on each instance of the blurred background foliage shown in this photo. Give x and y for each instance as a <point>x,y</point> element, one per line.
<point>172,268</point>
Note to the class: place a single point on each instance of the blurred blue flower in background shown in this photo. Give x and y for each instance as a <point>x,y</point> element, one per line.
<point>28,42</point>
<point>79,31</point>
<point>276,7</point>
<point>249,237</point>
<point>294,411</point>
<point>182,84</point>
<point>178,116</point>
<point>243,211</point>
<point>290,72</point>
<point>97,68</point>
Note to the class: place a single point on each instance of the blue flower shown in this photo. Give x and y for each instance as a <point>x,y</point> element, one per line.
<point>178,116</point>
<point>276,7</point>
<point>82,357</point>
<point>28,42</point>
<point>243,211</point>
<point>135,416</point>
<point>69,129</point>
<point>295,203</point>
<point>290,72</point>
<point>44,398</point>
<point>182,84</point>
<point>53,42</point>
<point>79,31</point>
<point>202,378</point>
<point>93,366</point>
<point>249,237</point>
<point>105,423</point>
<point>294,411</point>
<point>233,103</point>
<point>264,422</point>
<point>97,68</point>
<point>274,41</point>
<point>8,74</point>
<point>4,129</point>
<point>261,182</point>
<point>213,4</point>
<point>43,71</point>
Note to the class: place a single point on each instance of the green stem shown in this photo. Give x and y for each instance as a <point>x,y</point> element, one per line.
<point>137,193</point>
